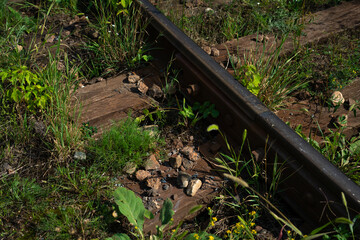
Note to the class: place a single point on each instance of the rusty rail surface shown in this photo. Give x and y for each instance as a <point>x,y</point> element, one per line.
<point>310,184</point>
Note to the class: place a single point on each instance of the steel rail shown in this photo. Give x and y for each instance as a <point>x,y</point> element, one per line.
<point>310,184</point>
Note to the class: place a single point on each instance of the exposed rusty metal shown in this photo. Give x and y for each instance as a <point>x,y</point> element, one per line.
<point>310,184</point>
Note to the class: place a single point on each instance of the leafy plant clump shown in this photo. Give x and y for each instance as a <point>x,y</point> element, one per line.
<point>23,86</point>
<point>131,206</point>
<point>121,41</point>
<point>125,142</point>
<point>191,115</point>
<point>268,76</point>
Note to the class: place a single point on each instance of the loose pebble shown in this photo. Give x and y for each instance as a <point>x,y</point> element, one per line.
<point>337,98</point>
<point>193,186</point>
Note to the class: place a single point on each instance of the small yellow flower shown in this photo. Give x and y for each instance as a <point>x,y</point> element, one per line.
<point>292,238</point>
<point>253,231</point>
<point>238,225</point>
<point>211,238</point>
<point>136,227</point>
<point>214,219</point>
<point>172,219</point>
<point>174,230</point>
<point>228,231</point>
<point>196,236</point>
<point>252,224</point>
<point>212,223</point>
<point>252,213</point>
<point>288,232</point>
<point>242,226</point>
<point>236,231</point>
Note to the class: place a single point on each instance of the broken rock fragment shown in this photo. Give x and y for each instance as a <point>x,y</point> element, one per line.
<point>129,168</point>
<point>152,163</point>
<point>215,52</point>
<point>175,161</point>
<point>142,87</point>
<point>155,91</point>
<point>188,164</point>
<point>207,49</point>
<point>141,175</point>
<point>194,156</point>
<point>187,150</point>
<point>193,187</point>
<point>133,78</point>
<point>183,179</point>
<point>153,183</point>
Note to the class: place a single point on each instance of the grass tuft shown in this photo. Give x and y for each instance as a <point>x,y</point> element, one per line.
<point>124,142</point>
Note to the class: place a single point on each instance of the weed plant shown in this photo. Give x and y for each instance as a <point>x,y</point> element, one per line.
<point>124,142</point>
<point>61,115</point>
<point>240,18</point>
<point>122,34</point>
<point>268,76</point>
<point>330,66</point>
<point>342,152</point>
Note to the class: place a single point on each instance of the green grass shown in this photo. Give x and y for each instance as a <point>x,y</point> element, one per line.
<point>124,142</point>
<point>51,195</point>
<point>122,38</point>
<point>240,18</point>
<point>331,65</point>
<point>61,114</point>
<point>19,202</point>
<point>269,76</point>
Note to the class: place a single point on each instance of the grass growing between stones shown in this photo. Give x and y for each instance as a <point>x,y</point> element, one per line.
<point>123,144</point>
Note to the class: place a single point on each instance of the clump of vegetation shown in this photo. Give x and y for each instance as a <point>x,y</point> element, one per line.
<point>342,152</point>
<point>239,18</point>
<point>125,142</point>
<point>329,66</point>
<point>121,42</point>
<point>268,76</point>
<point>21,85</point>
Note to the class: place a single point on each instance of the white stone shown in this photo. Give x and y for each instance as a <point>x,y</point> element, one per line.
<point>133,78</point>
<point>193,187</point>
<point>337,98</point>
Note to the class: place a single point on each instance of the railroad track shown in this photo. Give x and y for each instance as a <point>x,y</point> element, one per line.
<point>310,184</point>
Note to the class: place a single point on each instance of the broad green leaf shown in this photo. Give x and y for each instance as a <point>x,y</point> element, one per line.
<point>355,147</point>
<point>42,102</point>
<point>119,236</point>
<point>16,95</point>
<point>148,214</point>
<point>195,209</point>
<point>166,212</point>
<point>130,206</point>
<point>27,96</point>
<point>343,220</point>
<point>213,127</point>
<point>27,78</point>
<point>215,113</point>
<point>147,58</point>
